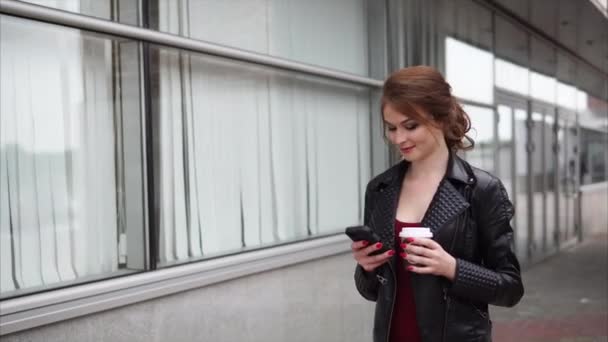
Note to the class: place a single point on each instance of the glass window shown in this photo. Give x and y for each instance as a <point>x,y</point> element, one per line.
<point>566,95</point>
<point>543,87</point>
<point>512,77</point>
<point>306,31</point>
<point>469,70</point>
<point>511,42</point>
<point>582,102</point>
<point>505,147</point>
<point>70,174</point>
<point>467,21</point>
<point>594,156</point>
<point>250,156</point>
<point>123,11</point>
<point>482,131</point>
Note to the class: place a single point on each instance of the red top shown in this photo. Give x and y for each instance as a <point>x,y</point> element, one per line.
<point>403,325</point>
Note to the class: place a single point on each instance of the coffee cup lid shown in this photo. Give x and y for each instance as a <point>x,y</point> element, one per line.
<point>421,232</point>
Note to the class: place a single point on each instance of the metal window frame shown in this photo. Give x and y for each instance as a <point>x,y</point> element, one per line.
<point>78,21</point>
<point>44,308</point>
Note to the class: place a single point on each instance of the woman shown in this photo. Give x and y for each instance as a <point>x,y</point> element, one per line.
<point>443,290</point>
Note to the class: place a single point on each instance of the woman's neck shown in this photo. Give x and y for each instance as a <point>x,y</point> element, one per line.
<point>433,166</point>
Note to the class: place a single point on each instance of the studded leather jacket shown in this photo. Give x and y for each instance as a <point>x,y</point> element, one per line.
<point>470,218</point>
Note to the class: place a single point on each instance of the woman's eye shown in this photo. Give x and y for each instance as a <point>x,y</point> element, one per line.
<point>411,127</point>
<point>391,129</point>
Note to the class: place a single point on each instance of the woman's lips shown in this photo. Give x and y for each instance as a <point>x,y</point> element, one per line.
<point>407,150</point>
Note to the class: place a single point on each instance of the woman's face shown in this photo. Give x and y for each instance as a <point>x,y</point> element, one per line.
<point>414,140</point>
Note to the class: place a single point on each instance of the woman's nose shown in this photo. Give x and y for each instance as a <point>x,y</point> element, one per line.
<point>400,136</point>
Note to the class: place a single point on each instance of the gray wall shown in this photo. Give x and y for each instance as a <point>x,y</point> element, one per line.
<point>313,301</point>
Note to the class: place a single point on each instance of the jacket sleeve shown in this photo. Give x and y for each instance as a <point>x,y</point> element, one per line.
<point>498,281</point>
<point>366,282</point>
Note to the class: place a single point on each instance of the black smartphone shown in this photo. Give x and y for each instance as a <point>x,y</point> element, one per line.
<point>358,233</point>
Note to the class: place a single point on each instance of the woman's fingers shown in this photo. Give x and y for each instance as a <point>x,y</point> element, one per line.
<point>419,250</point>
<point>363,252</point>
<point>421,269</point>
<point>371,262</point>
<point>357,245</point>
<point>420,261</point>
<point>428,243</point>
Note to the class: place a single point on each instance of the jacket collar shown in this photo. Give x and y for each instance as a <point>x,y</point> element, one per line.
<point>447,202</point>
<point>456,171</point>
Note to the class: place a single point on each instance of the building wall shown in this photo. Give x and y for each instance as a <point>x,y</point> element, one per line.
<point>313,301</point>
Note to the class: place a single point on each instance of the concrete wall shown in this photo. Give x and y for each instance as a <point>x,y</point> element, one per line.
<point>313,301</point>
<point>594,208</point>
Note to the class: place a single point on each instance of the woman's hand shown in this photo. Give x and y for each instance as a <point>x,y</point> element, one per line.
<point>361,252</point>
<point>428,257</point>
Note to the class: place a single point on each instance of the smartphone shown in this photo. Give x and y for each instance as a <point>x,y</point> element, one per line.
<point>358,233</point>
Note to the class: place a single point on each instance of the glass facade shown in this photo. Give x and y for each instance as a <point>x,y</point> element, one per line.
<point>123,155</point>
<point>71,162</point>
<point>249,156</point>
<point>528,107</point>
<point>118,158</point>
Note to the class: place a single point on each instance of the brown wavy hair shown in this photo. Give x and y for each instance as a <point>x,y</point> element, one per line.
<point>422,87</point>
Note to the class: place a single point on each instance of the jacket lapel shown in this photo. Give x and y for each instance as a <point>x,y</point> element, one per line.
<point>446,205</point>
<point>383,216</point>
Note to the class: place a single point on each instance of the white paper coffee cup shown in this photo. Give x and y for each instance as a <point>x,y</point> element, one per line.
<point>415,232</point>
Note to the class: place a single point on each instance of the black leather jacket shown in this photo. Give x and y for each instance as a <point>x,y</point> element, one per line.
<point>470,218</point>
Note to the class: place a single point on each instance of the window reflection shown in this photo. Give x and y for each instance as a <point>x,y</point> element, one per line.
<point>469,70</point>
<point>482,131</point>
<point>512,77</point>
<point>542,87</point>
<point>70,155</point>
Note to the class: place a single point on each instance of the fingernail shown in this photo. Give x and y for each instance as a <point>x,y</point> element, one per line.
<point>409,268</point>
<point>403,245</point>
<point>403,255</point>
<point>379,245</point>
<point>391,253</point>
<point>409,240</point>
<point>365,243</point>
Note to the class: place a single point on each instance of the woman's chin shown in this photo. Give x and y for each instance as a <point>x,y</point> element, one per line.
<point>410,157</point>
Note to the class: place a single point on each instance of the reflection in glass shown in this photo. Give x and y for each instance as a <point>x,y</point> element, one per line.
<point>305,31</point>
<point>551,225</point>
<point>482,131</point>
<point>469,70</point>
<point>123,11</point>
<point>521,172</point>
<point>543,87</point>
<point>594,156</point>
<point>582,102</point>
<point>251,156</point>
<point>66,175</point>
<point>537,136</point>
<point>505,147</point>
<point>567,141</point>
<point>566,96</point>
<point>512,77</point>
<point>504,156</point>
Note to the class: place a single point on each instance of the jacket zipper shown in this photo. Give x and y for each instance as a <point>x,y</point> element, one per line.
<point>390,319</point>
<point>446,298</point>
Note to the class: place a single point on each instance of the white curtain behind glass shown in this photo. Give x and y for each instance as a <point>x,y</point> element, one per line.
<point>58,205</point>
<point>251,157</point>
<point>328,33</point>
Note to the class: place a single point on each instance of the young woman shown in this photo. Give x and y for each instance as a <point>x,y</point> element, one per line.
<point>443,290</point>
